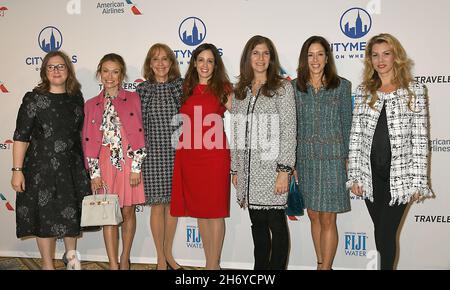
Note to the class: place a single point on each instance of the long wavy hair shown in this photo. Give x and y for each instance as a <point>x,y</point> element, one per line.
<point>118,60</point>
<point>330,78</point>
<point>73,87</point>
<point>174,71</point>
<point>219,84</point>
<point>274,79</point>
<point>401,68</point>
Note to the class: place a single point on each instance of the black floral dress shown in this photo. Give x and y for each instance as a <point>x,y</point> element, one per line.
<point>55,178</point>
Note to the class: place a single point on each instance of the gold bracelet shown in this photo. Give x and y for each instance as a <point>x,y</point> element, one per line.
<point>16,169</point>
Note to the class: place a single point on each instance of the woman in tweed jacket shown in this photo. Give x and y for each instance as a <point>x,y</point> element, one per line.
<point>263,140</point>
<point>324,116</point>
<point>388,156</point>
<point>160,98</point>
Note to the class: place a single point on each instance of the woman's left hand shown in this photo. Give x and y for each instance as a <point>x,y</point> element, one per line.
<point>135,179</point>
<point>282,183</point>
<point>417,197</point>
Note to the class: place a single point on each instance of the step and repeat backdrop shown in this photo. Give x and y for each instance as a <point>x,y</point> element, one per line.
<point>88,29</point>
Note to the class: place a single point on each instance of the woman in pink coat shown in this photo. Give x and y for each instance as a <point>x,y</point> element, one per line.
<point>114,146</point>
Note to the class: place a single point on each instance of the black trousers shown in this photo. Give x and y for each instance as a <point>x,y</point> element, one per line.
<point>386,220</point>
<point>270,238</point>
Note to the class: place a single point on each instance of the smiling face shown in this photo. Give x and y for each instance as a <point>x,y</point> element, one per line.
<point>56,71</point>
<point>205,66</point>
<point>260,59</point>
<point>317,59</point>
<point>110,75</point>
<point>382,59</point>
<point>160,64</point>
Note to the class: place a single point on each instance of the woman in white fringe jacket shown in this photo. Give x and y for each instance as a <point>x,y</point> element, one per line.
<point>388,156</point>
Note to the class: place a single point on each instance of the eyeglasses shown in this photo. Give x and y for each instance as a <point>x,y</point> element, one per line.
<point>58,67</point>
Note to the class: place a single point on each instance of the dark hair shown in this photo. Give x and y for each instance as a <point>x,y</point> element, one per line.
<point>330,78</point>
<point>219,84</point>
<point>246,71</point>
<point>114,58</point>
<point>174,71</point>
<point>73,87</point>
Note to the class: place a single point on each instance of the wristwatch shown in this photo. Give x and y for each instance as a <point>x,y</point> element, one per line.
<point>16,169</point>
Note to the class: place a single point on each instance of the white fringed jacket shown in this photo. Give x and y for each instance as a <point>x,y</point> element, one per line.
<point>408,134</point>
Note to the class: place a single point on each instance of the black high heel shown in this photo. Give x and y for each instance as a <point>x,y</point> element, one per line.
<point>170,267</point>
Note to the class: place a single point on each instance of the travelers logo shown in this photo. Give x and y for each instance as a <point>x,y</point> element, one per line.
<point>3,89</point>
<point>355,244</point>
<point>2,11</point>
<point>6,145</point>
<point>192,31</point>
<point>7,205</point>
<point>355,22</point>
<point>50,39</point>
<point>131,86</point>
<point>193,239</point>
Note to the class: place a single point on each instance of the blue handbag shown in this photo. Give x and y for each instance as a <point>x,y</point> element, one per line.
<point>295,203</point>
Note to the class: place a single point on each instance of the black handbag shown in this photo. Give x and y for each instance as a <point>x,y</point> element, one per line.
<point>295,202</point>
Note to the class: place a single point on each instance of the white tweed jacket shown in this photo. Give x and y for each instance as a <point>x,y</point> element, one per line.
<point>408,135</point>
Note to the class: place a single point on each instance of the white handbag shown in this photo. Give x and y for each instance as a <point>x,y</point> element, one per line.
<point>101,210</point>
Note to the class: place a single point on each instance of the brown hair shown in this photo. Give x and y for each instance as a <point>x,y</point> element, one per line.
<point>174,71</point>
<point>219,84</point>
<point>114,58</point>
<point>330,78</point>
<point>402,68</point>
<point>246,71</point>
<point>73,87</point>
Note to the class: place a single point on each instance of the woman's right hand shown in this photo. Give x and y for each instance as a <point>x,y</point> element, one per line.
<point>234,180</point>
<point>18,181</point>
<point>96,184</point>
<point>356,189</point>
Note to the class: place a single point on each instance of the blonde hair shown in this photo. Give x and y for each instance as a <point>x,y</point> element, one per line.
<point>402,68</point>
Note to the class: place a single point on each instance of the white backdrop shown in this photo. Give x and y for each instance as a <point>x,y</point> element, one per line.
<point>88,29</point>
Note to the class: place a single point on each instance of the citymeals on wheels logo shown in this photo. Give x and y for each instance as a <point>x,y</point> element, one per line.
<point>355,244</point>
<point>192,32</point>
<point>354,23</point>
<point>193,239</point>
<point>50,38</point>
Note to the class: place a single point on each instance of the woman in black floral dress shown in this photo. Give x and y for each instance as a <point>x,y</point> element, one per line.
<point>48,172</point>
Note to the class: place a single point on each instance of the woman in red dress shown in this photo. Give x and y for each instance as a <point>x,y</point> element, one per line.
<point>201,178</point>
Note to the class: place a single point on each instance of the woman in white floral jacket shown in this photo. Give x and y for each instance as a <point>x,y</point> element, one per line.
<point>388,157</point>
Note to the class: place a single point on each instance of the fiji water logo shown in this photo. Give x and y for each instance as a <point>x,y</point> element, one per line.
<point>192,31</point>
<point>50,39</point>
<point>193,239</point>
<point>2,11</point>
<point>355,244</point>
<point>6,145</point>
<point>355,22</point>
<point>7,203</point>
<point>3,88</point>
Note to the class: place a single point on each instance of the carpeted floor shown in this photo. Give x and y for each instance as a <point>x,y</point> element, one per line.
<point>11,263</point>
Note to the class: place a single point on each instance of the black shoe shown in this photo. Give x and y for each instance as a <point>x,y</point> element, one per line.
<point>170,267</point>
